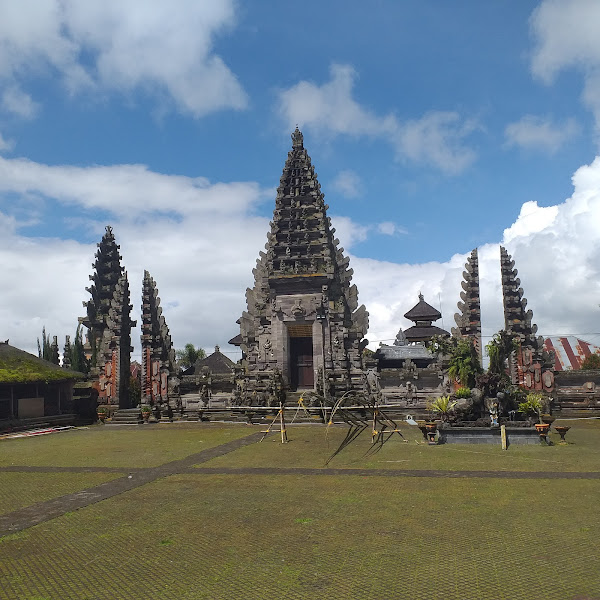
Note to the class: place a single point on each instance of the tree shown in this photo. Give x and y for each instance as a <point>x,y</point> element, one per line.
<point>591,362</point>
<point>188,356</point>
<point>135,390</point>
<point>47,350</point>
<point>464,363</point>
<point>499,349</point>
<point>78,360</point>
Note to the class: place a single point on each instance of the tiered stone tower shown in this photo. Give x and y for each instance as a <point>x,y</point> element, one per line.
<point>468,321</point>
<point>530,366</point>
<point>109,324</point>
<point>158,354</point>
<point>303,314</point>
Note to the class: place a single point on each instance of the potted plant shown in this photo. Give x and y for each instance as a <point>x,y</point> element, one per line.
<point>442,405</point>
<point>146,412</point>
<point>102,413</point>
<point>534,404</point>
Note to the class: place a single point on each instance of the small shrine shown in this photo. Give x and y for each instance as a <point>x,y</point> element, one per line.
<point>408,372</point>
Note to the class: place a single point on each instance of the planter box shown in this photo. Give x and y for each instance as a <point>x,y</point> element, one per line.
<point>487,435</point>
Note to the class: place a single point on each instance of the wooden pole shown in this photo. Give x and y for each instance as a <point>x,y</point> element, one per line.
<point>282,425</point>
<point>374,425</point>
<point>503,436</point>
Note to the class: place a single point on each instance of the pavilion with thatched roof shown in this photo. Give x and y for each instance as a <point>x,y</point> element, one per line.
<point>31,387</point>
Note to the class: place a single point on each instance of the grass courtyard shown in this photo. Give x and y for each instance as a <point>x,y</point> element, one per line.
<point>270,520</point>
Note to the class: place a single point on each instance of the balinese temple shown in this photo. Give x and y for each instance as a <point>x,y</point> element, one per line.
<point>530,366</point>
<point>468,320</point>
<point>108,343</point>
<point>158,354</point>
<point>303,314</point>
<point>409,374</point>
<point>423,315</point>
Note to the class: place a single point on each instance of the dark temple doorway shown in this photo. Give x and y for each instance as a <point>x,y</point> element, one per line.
<point>302,374</point>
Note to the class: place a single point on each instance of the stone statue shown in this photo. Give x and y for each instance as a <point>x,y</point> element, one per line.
<point>494,414</point>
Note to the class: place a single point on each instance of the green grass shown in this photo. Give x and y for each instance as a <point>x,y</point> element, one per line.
<point>222,536</point>
<point>218,536</point>
<point>18,490</point>
<point>311,447</point>
<point>102,446</point>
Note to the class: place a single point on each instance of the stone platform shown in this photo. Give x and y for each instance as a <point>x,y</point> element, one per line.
<point>488,435</point>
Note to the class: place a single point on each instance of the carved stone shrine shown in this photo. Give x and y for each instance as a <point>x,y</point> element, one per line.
<point>303,322</point>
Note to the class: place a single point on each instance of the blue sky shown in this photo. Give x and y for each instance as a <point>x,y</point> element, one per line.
<point>435,127</point>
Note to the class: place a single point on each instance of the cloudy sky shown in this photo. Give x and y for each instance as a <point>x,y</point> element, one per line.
<point>435,128</point>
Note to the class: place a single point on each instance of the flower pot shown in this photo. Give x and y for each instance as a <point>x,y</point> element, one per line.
<point>431,428</point>
<point>101,417</point>
<point>542,429</point>
<point>561,430</point>
<point>548,419</point>
<point>422,428</point>
<point>146,416</point>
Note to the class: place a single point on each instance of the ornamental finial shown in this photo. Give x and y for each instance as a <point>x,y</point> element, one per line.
<point>297,138</point>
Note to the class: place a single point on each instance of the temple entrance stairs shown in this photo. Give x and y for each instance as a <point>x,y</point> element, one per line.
<point>127,416</point>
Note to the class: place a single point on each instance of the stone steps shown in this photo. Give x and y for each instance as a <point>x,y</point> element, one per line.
<point>127,416</point>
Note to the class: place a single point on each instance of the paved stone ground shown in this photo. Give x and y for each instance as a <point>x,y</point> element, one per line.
<point>44,511</point>
<point>217,531</point>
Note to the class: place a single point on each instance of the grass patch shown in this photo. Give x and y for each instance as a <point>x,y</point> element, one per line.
<point>100,446</point>
<point>251,536</point>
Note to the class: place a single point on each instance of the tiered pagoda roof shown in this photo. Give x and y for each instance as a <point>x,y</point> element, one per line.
<point>303,260</point>
<point>301,243</point>
<point>423,315</point>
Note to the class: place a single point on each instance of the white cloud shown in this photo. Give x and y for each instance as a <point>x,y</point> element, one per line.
<point>566,36</point>
<point>557,252</point>
<point>43,279</point>
<point>203,259</point>
<point>348,231</point>
<point>437,138</point>
<point>389,228</point>
<point>121,46</point>
<point>532,219</point>
<point>348,183</point>
<point>126,190</point>
<point>6,145</point>
<point>537,133</point>
<point>15,101</point>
